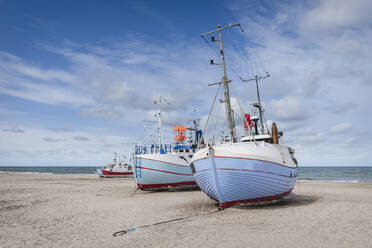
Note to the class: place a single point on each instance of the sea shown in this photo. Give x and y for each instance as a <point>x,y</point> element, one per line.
<point>352,173</point>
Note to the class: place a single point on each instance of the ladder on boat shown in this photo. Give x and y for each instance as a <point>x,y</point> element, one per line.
<point>137,163</point>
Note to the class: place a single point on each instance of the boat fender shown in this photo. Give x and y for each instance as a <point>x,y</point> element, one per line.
<point>192,168</point>
<point>295,161</point>
<point>274,132</point>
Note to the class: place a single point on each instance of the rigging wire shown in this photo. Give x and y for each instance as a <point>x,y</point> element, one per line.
<point>216,123</point>
<point>265,121</point>
<point>144,139</point>
<point>241,109</point>
<point>211,47</point>
<point>209,115</point>
<point>251,69</point>
<point>257,63</point>
<point>264,65</point>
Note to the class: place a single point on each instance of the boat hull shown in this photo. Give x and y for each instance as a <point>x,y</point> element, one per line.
<point>113,174</point>
<point>162,171</point>
<point>233,180</point>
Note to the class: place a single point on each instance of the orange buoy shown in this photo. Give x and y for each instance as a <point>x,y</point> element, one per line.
<point>180,133</point>
<point>179,128</point>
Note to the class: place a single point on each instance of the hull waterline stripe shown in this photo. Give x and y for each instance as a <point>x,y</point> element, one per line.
<point>105,172</point>
<point>257,160</point>
<point>254,200</point>
<point>170,172</point>
<point>164,185</point>
<point>187,165</point>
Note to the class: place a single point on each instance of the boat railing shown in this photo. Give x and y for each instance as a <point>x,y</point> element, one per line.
<point>153,148</point>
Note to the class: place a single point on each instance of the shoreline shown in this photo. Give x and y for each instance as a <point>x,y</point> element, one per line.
<point>95,174</point>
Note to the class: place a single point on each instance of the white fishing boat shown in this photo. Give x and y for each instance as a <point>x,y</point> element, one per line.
<point>251,169</point>
<point>121,169</point>
<point>159,165</point>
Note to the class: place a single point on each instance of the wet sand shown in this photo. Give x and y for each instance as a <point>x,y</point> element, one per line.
<point>46,210</point>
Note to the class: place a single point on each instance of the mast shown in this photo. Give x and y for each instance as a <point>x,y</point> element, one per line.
<point>194,129</point>
<point>160,132</point>
<point>258,105</point>
<point>159,102</point>
<point>225,81</point>
<point>226,89</point>
<point>115,158</point>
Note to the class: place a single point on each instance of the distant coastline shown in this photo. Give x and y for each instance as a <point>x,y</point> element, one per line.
<point>315,173</point>
<point>49,169</point>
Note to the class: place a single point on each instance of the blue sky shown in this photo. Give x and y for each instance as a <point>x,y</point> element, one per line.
<point>77,76</point>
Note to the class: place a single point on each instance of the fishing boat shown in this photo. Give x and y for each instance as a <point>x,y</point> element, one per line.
<point>121,169</point>
<point>162,166</point>
<point>253,168</point>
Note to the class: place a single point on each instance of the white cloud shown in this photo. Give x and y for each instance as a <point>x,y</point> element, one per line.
<point>317,137</point>
<point>340,128</point>
<point>49,139</point>
<point>104,73</point>
<point>48,94</point>
<point>107,113</point>
<point>170,118</point>
<point>290,108</point>
<point>81,138</point>
<point>45,145</point>
<point>35,72</point>
<point>334,14</point>
<point>12,64</point>
<point>21,80</point>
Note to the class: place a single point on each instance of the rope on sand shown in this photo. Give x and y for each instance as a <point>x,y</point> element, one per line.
<point>122,232</point>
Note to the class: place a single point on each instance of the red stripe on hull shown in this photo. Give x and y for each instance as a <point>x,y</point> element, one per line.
<point>162,161</point>
<point>112,173</point>
<point>257,160</point>
<point>176,173</point>
<point>255,200</point>
<point>166,185</point>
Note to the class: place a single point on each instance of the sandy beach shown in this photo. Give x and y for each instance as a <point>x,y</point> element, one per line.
<point>50,210</point>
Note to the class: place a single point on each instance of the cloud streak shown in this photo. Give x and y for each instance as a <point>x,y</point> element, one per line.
<point>14,130</point>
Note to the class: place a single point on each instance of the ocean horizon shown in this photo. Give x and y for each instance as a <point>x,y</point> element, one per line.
<point>318,173</point>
